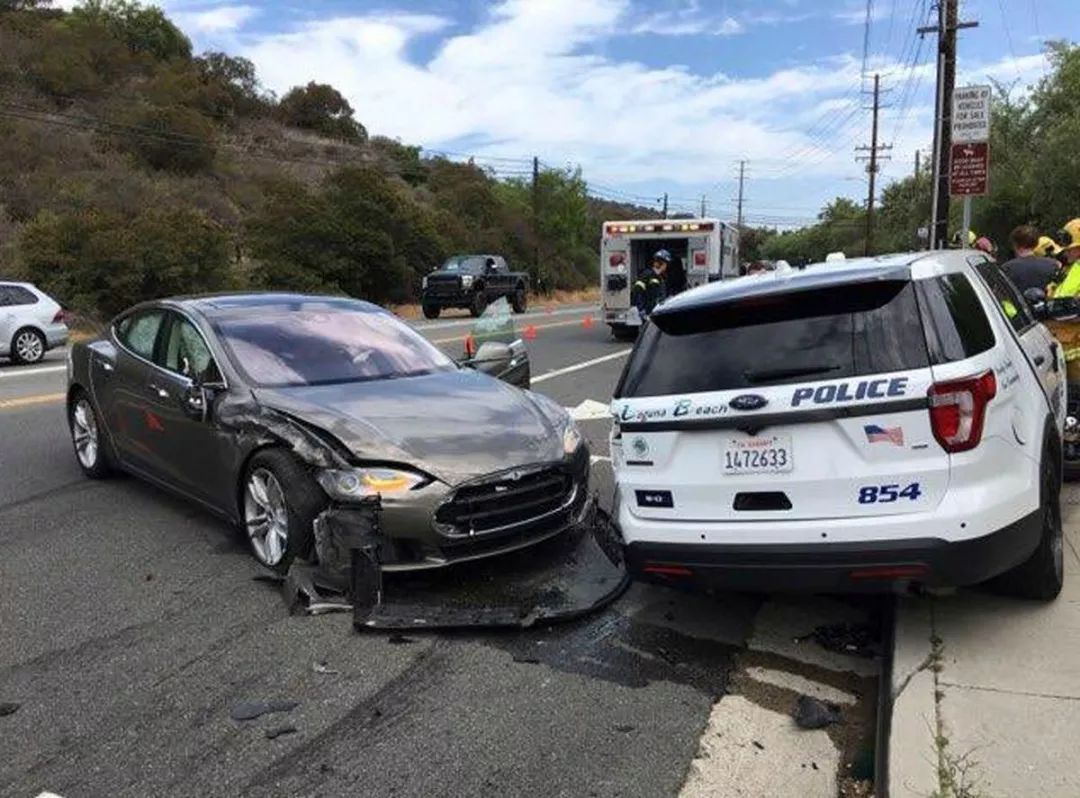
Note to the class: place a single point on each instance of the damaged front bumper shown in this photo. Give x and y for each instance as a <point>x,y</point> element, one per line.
<point>573,573</point>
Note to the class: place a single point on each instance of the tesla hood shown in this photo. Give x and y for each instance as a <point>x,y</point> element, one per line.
<point>455,425</point>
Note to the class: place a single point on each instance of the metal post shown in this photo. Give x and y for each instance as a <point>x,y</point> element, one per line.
<point>965,225</point>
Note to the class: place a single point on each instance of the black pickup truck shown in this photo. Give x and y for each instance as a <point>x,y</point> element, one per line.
<point>471,282</point>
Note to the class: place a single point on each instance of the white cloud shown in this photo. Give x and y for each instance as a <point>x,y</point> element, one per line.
<point>220,19</point>
<point>689,20</point>
<point>519,83</point>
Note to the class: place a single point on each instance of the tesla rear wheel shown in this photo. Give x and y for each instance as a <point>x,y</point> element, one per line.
<point>279,502</point>
<point>28,346</point>
<point>1041,576</point>
<point>91,447</point>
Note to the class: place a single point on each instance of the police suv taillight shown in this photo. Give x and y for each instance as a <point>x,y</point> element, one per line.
<point>616,261</point>
<point>957,410</point>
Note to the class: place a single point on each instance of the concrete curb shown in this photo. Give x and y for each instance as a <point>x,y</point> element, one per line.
<point>913,759</point>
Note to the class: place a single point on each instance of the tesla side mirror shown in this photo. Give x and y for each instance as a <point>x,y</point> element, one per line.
<point>195,401</point>
<point>1058,309</point>
<point>507,362</point>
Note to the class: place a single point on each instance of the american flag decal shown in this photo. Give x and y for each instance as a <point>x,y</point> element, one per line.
<point>876,434</point>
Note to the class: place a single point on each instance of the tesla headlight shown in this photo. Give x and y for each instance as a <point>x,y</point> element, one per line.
<point>353,484</point>
<point>466,280</point>
<point>571,439</point>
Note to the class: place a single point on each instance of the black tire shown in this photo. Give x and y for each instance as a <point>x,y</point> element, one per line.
<point>38,346</point>
<point>304,500</point>
<point>621,332</point>
<point>1040,577</point>
<point>479,303</point>
<point>102,463</point>
<point>432,311</point>
<point>520,300</point>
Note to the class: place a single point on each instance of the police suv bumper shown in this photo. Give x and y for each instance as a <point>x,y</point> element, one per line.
<point>867,566</point>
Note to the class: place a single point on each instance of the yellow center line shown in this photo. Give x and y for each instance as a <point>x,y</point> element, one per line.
<point>30,401</point>
<point>461,337</point>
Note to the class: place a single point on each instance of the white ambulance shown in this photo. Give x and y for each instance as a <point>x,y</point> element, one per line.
<point>702,250</point>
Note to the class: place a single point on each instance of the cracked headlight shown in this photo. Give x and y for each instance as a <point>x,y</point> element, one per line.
<point>571,439</point>
<point>354,484</point>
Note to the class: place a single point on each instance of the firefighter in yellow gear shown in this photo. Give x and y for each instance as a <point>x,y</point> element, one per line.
<point>1047,247</point>
<point>650,289</point>
<point>1068,238</point>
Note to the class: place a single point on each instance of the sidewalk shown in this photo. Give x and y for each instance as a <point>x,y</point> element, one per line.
<point>987,691</point>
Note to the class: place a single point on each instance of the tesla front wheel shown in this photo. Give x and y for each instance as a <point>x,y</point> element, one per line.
<point>280,501</point>
<point>91,447</point>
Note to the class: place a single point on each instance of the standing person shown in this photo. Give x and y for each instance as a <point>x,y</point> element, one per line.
<point>1028,270</point>
<point>1068,238</point>
<point>650,289</point>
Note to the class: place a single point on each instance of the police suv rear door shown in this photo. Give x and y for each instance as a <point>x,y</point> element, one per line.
<point>810,404</point>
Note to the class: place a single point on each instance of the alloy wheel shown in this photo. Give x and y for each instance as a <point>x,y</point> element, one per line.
<point>266,516</point>
<point>28,346</point>
<point>84,432</point>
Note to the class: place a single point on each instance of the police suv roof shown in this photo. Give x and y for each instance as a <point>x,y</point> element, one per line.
<point>813,277</point>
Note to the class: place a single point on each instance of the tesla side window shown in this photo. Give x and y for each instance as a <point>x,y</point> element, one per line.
<point>326,344</point>
<point>139,331</point>
<point>186,352</point>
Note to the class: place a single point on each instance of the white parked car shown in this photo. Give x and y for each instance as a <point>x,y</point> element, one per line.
<point>31,323</point>
<point>882,422</point>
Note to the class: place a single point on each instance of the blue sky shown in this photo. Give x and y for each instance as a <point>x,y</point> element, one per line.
<point>646,95</point>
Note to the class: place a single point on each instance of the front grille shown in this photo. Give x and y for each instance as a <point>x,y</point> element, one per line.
<point>447,286</point>
<point>505,502</point>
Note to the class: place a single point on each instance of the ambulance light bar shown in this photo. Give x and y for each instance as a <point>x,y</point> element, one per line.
<point>659,227</point>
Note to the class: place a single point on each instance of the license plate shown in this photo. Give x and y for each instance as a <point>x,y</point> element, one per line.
<point>766,454</point>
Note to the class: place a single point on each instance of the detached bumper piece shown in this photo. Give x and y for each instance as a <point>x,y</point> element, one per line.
<point>571,575</point>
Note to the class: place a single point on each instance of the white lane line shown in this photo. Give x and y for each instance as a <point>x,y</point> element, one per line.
<point>7,375</point>
<point>579,366</point>
<point>440,325</point>
<point>597,458</point>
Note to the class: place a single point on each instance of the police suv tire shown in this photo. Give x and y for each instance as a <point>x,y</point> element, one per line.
<point>520,300</point>
<point>478,304</point>
<point>431,311</point>
<point>304,500</point>
<point>1041,576</point>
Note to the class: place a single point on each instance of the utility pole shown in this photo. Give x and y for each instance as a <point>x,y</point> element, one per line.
<point>948,25</point>
<point>739,204</point>
<point>536,220</point>
<point>665,204</point>
<point>872,167</point>
<point>916,164</point>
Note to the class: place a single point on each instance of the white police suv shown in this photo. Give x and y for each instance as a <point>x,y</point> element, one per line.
<point>847,426</point>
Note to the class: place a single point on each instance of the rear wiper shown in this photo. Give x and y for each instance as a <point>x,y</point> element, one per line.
<point>770,375</point>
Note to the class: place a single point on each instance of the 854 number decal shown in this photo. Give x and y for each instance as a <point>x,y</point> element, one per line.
<point>884,494</point>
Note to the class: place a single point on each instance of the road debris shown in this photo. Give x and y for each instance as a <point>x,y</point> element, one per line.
<point>277,731</point>
<point>8,708</point>
<point>322,667</point>
<point>855,639</point>
<point>813,713</point>
<point>249,710</point>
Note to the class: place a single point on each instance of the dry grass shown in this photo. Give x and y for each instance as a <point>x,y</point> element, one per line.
<point>553,300</point>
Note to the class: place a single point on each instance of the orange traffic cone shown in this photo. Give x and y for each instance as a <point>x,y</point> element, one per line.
<point>470,345</point>
<point>587,322</point>
<point>530,333</point>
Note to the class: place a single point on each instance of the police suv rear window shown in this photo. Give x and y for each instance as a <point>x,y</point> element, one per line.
<point>827,334</point>
<point>956,325</point>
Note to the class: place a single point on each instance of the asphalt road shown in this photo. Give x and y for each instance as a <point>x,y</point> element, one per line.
<point>130,622</point>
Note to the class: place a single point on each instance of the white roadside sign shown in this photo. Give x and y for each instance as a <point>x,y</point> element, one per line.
<point>971,114</point>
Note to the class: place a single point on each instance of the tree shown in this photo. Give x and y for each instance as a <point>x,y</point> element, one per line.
<point>145,29</point>
<point>100,262</point>
<point>322,108</point>
<point>235,77</point>
<point>171,138</point>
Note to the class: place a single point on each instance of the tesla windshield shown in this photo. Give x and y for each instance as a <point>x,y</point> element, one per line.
<point>278,348</point>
